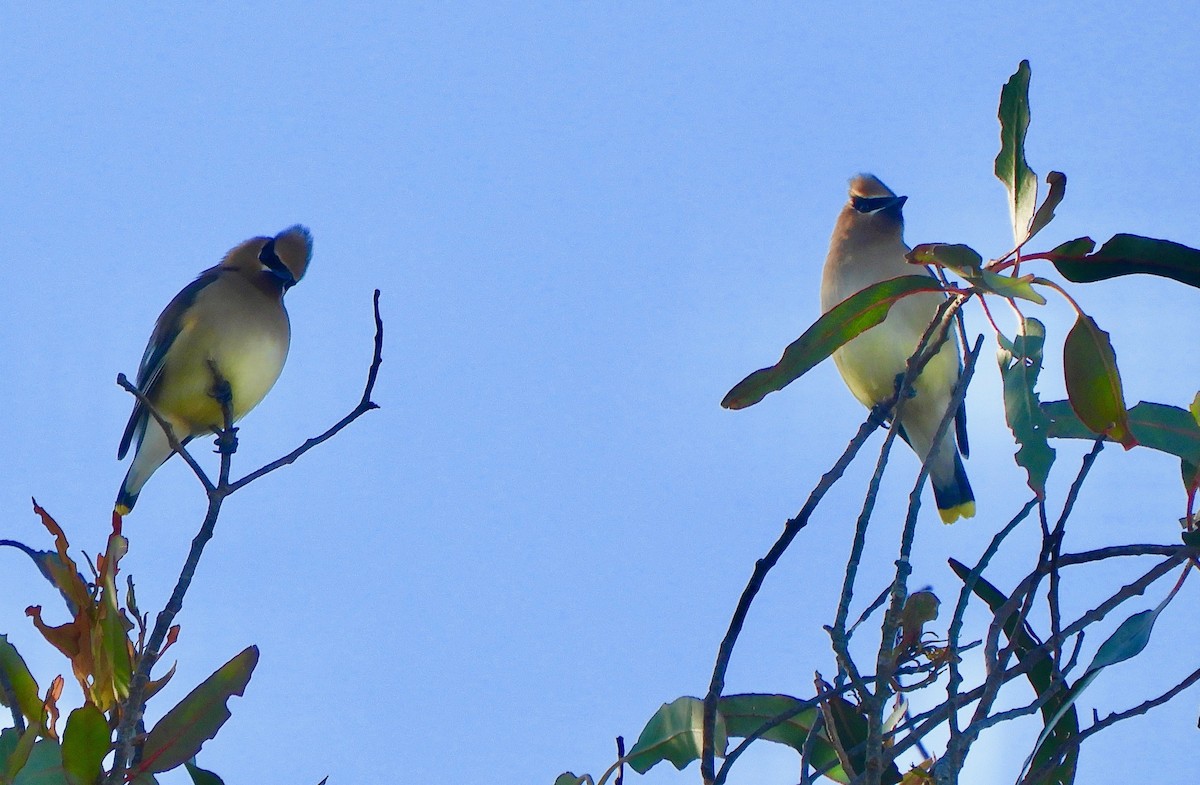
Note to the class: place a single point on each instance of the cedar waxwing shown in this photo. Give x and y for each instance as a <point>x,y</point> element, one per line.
<point>232,315</point>
<point>868,247</point>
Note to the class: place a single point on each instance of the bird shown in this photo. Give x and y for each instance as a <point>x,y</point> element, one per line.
<point>868,247</point>
<point>230,320</point>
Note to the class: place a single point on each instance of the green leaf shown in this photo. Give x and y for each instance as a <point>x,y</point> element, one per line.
<point>961,258</point>
<point>745,714</point>
<point>1045,214</point>
<point>1011,167</point>
<point>24,686</point>
<point>1020,364</point>
<point>1127,254</point>
<point>967,262</point>
<point>1065,723</point>
<point>675,734</point>
<point>85,743</point>
<point>201,776</point>
<point>846,726</point>
<point>1157,426</point>
<point>179,735</point>
<point>14,751</point>
<point>1010,286</point>
<point>44,766</point>
<point>570,778</point>
<point>1093,382</point>
<point>1126,642</point>
<point>50,565</point>
<point>854,315</point>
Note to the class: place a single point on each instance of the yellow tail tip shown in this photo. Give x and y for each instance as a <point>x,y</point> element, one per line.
<point>952,514</point>
<point>121,509</point>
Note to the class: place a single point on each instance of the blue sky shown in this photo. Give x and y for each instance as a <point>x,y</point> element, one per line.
<point>588,221</point>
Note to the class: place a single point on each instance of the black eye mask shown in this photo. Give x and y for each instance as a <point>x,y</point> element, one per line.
<point>869,205</point>
<point>272,262</point>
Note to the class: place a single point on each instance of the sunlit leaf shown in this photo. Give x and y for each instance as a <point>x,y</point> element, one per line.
<point>84,745</point>
<point>24,686</point>
<point>675,733</point>
<point>847,319</point>
<point>967,262</point>
<point>178,736</point>
<point>1020,364</point>
<point>1126,254</point>
<point>1011,167</point>
<point>1045,213</point>
<point>1093,382</point>
<point>1057,713</point>
<point>746,714</point>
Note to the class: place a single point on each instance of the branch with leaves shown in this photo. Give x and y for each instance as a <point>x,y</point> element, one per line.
<point>113,651</point>
<point>859,729</point>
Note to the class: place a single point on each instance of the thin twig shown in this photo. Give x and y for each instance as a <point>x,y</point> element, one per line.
<point>173,440</point>
<point>1112,719</point>
<point>365,405</point>
<point>134,705</point>
<point>916,364</point>
<point>761,568</point>
<point>886,664</point>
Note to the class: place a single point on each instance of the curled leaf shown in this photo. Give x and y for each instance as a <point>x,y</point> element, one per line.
<point>675,733</point>
<point>1020,365</point>
<point>1045,213</point>
<point>1011,168</point>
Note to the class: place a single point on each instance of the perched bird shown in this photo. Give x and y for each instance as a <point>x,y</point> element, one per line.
<point>868,247</point>
<point>231,317</point>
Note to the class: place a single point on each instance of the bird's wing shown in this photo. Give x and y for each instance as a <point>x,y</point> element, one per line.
<point>165,331</point>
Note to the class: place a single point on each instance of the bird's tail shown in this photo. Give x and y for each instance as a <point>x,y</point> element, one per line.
<point>953,495</point>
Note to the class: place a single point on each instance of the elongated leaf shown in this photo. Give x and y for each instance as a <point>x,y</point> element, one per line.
<point>201,776</point>
<point>1057,713</point>
<point>745,714</point>
<point>962,259</point>
<point>675,733</point>
<point>25,688</point>
<point>854,315</point>
<point>44,766</point>
<point>1126,642</point>
<point>179,735</point>
<point>85,743</point>
<point>1011,167</point>
<point>571,778</point>
<point>15,749</point>
<point>1093,382</point>
<point>1045,214</point>
<point>1127,254</point>
<point>967,262</point>
<point>49,565</point>
<point>1157,426</point>
<point>1020,364</point>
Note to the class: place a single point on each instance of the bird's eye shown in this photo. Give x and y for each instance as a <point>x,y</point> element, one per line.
<point>869,205</point>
